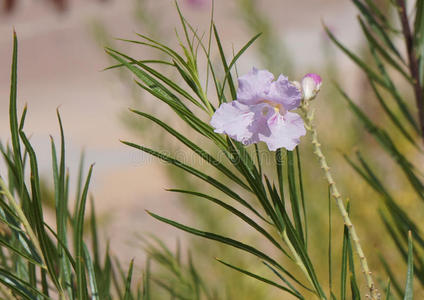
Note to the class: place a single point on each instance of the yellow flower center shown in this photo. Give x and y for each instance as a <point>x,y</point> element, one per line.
<point>278,107</point>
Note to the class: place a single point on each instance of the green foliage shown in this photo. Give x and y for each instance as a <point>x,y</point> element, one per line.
<point>278,212</point>
<point>389,63</point>
<point>37,261</point>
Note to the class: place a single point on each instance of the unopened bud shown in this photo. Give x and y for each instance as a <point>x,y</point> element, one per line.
<point>311,83</point>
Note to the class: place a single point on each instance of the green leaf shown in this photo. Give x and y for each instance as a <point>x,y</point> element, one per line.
<point>409,289</point>
<point>80,183</point>
<point>260,278</point>
<point>94,236</point>
<point>161,47</point>
<point>183,23</point>
<point>227,241</point>
<point>20,287</point>
<point>44,283</point>
<point>233,62</point>
<point>187,77</point>
<point>13,115</point>
<point>279,165</point>
<point>296,244</point>
<point>356,294</point>
<point>400,102</point>
<point>388,145</point>
<point>144,61</point>
<point>159,91</point>
<point>79,242</point>
<point>196,173</point>
<point>146,78</point>
<point>282,278</point>
<point>14,128</point>
<point>23,244</point>
<point>203,154</point>
<point>388,291</point>
<point>171,84</point>
<point>193,121</point>
<point>66,250</point>
<point>31,257</point>
<point>392,116</point>
<point>224,63</point>
<point>127,295</point>
<point>294,199</point>
<point>376,27</point>
<point>364,66</point>
<point>243,161</point>
<point>210,66</point>
<point>91,274</point>
<point>392,276</point>
<point>236,212</point>
<point>49,251</point>
<point>146,282</point>
<point>59,179</point>
<point>302,196</point>
<point>380,15</point>
<point>344,264</point>
<point>380,49</point>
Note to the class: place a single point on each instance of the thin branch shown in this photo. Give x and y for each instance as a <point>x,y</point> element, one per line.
<point>308,117</point>
<point>412,61</point>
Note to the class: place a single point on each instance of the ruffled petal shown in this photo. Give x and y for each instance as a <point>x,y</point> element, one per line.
<point>259,126</point>
<point>254,86</point>
<point>234,119</point>
<point>284,131</point>
<point>284,92</point>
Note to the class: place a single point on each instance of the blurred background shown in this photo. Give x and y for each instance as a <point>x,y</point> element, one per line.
<point>61,62</point>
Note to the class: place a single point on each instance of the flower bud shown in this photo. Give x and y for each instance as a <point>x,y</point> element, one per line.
<point>311,83</point>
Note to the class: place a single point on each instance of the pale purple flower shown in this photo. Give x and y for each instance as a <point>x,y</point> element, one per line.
<point>311,84</point>
<point>261,112</point>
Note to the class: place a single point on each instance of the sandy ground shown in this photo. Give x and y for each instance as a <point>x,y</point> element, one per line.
<point>59,66</point>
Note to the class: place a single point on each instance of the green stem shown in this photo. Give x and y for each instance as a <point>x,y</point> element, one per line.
<point>298,261</point>
<point>309,116</point>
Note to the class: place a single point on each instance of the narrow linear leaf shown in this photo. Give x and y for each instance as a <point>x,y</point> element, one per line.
<point>260,278</point>
<point>196,173</point>
<point>91,274</point>
<point>228,241</point>
<point>409,289</point>
<point>203,154</point>
<point>127,295</point>
<point>225,64</point>
<point>236,212</point>
<point>365,67</point>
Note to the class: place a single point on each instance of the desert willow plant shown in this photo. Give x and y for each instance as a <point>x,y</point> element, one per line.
<point>36,260</point>
<point>271,203</point>
<point>396,79</point>
<point>41,262</point>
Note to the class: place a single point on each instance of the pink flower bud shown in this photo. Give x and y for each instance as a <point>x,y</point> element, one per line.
<point>311,83</point>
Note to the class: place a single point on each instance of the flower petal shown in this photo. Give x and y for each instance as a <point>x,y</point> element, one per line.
<point>234,119</point>
<point>284,131</point>
<point>254,86</point>
<point>284,92</point>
